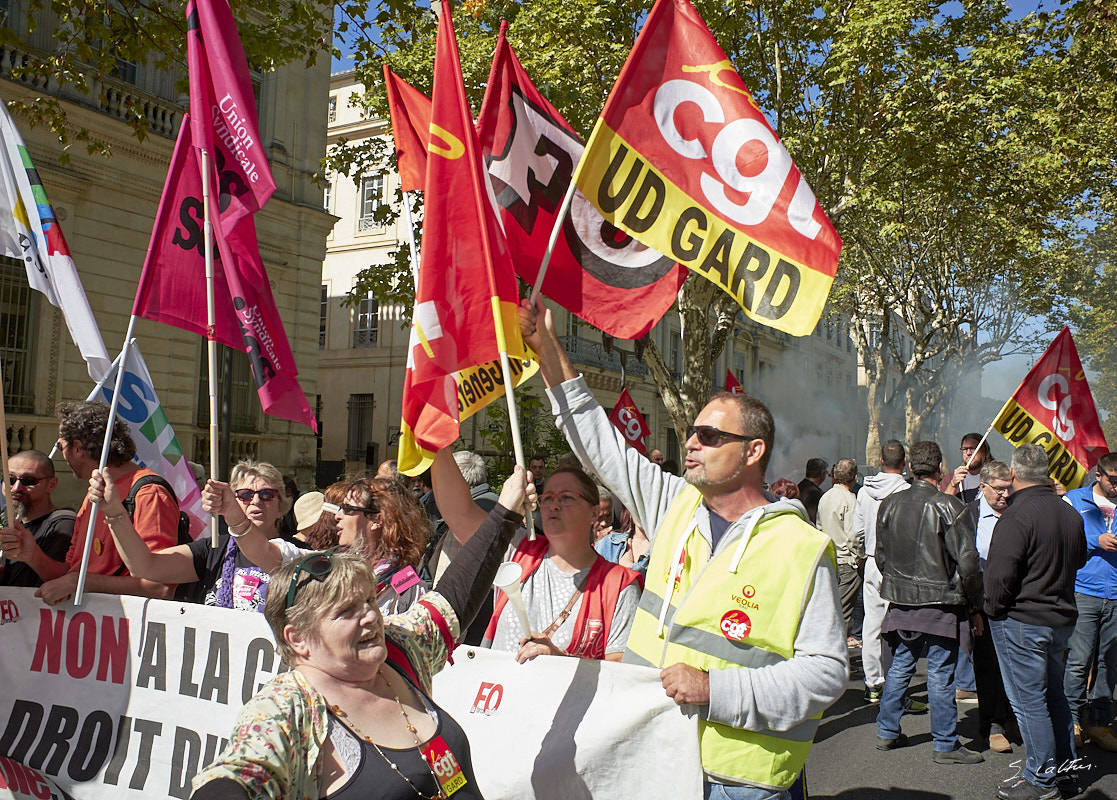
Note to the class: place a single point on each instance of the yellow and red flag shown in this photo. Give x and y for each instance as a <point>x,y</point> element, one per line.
<point>682,160</point>
<point>466,294</point>
<point>1053,408</point>
<point>629,421</point>
<point>732,385</point>
<point>410,111</point>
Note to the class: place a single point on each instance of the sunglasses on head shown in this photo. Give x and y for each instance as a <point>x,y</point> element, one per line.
<point>349,510</point>
<point>265,495</point>
<point>26,480</point>
<point>709,436</point>
<point>316,566</point>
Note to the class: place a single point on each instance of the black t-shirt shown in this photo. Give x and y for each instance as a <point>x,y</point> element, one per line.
<point>250,583</point>
<point>52,533</point>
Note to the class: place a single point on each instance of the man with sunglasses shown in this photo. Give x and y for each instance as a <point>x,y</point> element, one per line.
<point>740,608</point>
<point>81,436</point>
<point>1095,592</point>
<point>40,533</point>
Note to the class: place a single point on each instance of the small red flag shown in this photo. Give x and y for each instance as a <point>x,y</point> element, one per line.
<point>596,272</point>
<point>732,385</point>
<point>1053,407</point>
<point>410,111</point>
<point>629,421</point>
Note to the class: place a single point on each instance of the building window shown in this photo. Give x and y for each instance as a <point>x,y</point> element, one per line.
<point>327,195</point>
<point>18,312</point>
<point>674,346</point>
<point>360,426</point>
<point>322,317</point>
<point>572,325</point>
<point>372,197</point>
<point>368,322</point>
<point>239,391</point>
<point>332,116</point>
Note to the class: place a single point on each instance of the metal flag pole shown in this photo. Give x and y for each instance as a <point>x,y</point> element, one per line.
<point>211,336</point>
<point>411,238</point>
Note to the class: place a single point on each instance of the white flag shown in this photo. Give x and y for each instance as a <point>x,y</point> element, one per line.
<point>30,233</point>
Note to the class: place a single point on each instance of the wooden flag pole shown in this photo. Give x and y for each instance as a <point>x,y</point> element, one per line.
<point>211,337</point>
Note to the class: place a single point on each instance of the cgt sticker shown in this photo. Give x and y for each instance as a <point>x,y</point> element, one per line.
<point>735,625</point>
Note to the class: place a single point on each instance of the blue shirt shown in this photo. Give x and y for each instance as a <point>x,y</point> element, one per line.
<point>986,521</point>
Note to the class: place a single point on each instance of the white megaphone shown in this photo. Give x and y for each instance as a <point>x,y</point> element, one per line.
<point>508,577</point>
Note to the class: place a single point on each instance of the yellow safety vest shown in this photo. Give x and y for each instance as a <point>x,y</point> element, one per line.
<point>740,608</point>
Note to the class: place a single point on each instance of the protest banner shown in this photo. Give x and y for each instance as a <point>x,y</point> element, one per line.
<point>556,728</point>
<point>626,418</point>
<point>1053,407</point>
<point>683,160</point>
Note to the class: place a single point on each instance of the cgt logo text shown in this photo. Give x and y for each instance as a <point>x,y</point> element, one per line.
<point>744,599</point>
<point>489,697</point>
<point>9,612</point>
<point>735,625</point>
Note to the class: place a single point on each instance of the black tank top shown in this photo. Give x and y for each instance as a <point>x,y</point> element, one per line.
<point>373,779</point>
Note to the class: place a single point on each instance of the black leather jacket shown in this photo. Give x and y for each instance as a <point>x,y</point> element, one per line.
<point>926,549</point>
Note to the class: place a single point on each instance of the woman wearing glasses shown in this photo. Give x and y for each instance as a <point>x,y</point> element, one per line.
<point>235,574</point>
<point>578,603</point>
<point>381,520</point>
<point>353,718</point>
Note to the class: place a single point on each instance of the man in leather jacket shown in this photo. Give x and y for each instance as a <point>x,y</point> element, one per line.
<point>931,578</point>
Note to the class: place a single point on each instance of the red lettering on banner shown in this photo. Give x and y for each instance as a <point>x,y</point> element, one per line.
<point>76,642</point>
<point>489,697</point>
<point>9,611</point>
<point>22,779</point>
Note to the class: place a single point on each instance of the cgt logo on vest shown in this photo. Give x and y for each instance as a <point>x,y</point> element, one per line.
<point>9,612</point>
<point>745,598</point>
<point>735,625</point>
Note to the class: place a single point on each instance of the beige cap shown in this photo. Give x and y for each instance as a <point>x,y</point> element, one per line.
<point>308,509</point>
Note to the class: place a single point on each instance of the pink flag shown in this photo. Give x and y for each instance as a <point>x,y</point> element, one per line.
<point>223,109</point>
<point>172,286</point>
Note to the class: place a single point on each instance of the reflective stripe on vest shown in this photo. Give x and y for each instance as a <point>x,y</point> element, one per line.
<point>739,608</point>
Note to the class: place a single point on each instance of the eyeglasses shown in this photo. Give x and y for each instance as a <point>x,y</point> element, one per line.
<point>1006,490</point>
<point>349,510</point>
<point>709,436</point>
<point>26,480</point>
<point>316,565</point>
<point>966,449</point>
<point>265,495</point>
<point>564,499</point>
<point>1111,478</point>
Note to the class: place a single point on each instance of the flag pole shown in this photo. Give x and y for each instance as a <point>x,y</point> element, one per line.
<point>411,238</point>
<point>563,211</point>
<point>211,335</point>
<point>977,450</point>
<point>4,456</point>
<point>106,445</point>
<point>92,396</point>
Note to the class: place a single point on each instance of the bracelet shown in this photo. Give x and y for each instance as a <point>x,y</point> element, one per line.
<point>237,534</point>
<point>114,517</point>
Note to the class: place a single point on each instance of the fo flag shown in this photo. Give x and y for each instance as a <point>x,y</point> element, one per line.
<point>465,282</point>
<point>172,286</point>
<point>682,159</point>
<point>410,111</point>
<point>732,385</point>
<point>596,271</point>
<point>1054,408</point>
<point>629,421</point>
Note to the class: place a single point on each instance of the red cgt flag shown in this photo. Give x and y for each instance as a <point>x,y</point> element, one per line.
<point>172,286</point>
<point>596,271</point>
<point>1053,408</point>
<point>732,385</point>
<point>466,278</point>
<point>410,111</point>
<point>629,421</point>
<point>682,160</point>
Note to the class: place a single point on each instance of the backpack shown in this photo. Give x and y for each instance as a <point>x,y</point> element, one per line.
<point>129,504</point>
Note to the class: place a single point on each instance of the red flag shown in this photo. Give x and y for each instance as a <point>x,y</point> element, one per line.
<point>410,110</point>
<point>682,160</point>
<point>1053,408</point>
<point>629,421</point>
<point>172,286</point>
<point>224,109</point>
<point>466,277</point>
<point>596,272</point>
<point>732,385</point>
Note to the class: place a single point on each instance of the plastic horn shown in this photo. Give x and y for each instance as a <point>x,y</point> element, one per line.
<point>507,579</point>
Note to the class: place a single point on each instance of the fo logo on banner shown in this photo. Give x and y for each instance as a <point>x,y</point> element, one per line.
<point>9,612</point>
<point>735,625</point>
<point>488,699</point>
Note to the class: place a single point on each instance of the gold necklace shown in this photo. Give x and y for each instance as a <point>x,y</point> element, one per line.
<point>339,712</point>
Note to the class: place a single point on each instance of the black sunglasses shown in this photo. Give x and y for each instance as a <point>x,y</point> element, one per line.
<point>316,565</point>
<point>265,495</point>
<point>709,436</point>
<point>26,480</point>
<point>349,510</point>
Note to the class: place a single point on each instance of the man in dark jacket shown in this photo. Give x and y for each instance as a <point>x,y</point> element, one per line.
<point>1037,549</point>
<point>810,488</point>
<point>930,577</point>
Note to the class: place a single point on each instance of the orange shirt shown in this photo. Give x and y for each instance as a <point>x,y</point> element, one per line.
<point>155,520</point>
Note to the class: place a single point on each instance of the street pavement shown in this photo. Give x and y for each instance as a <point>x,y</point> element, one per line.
<point>845,765</point>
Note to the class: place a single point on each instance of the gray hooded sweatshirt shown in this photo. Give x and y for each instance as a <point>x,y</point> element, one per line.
<point>873,491</point>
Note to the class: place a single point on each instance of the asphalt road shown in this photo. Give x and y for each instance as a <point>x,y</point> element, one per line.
<point>845,765</point>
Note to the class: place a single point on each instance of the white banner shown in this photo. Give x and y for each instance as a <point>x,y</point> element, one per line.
<point>561,728</point>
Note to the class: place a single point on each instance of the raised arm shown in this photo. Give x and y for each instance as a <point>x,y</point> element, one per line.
<point>252,540</point>
<point>452,496</point>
